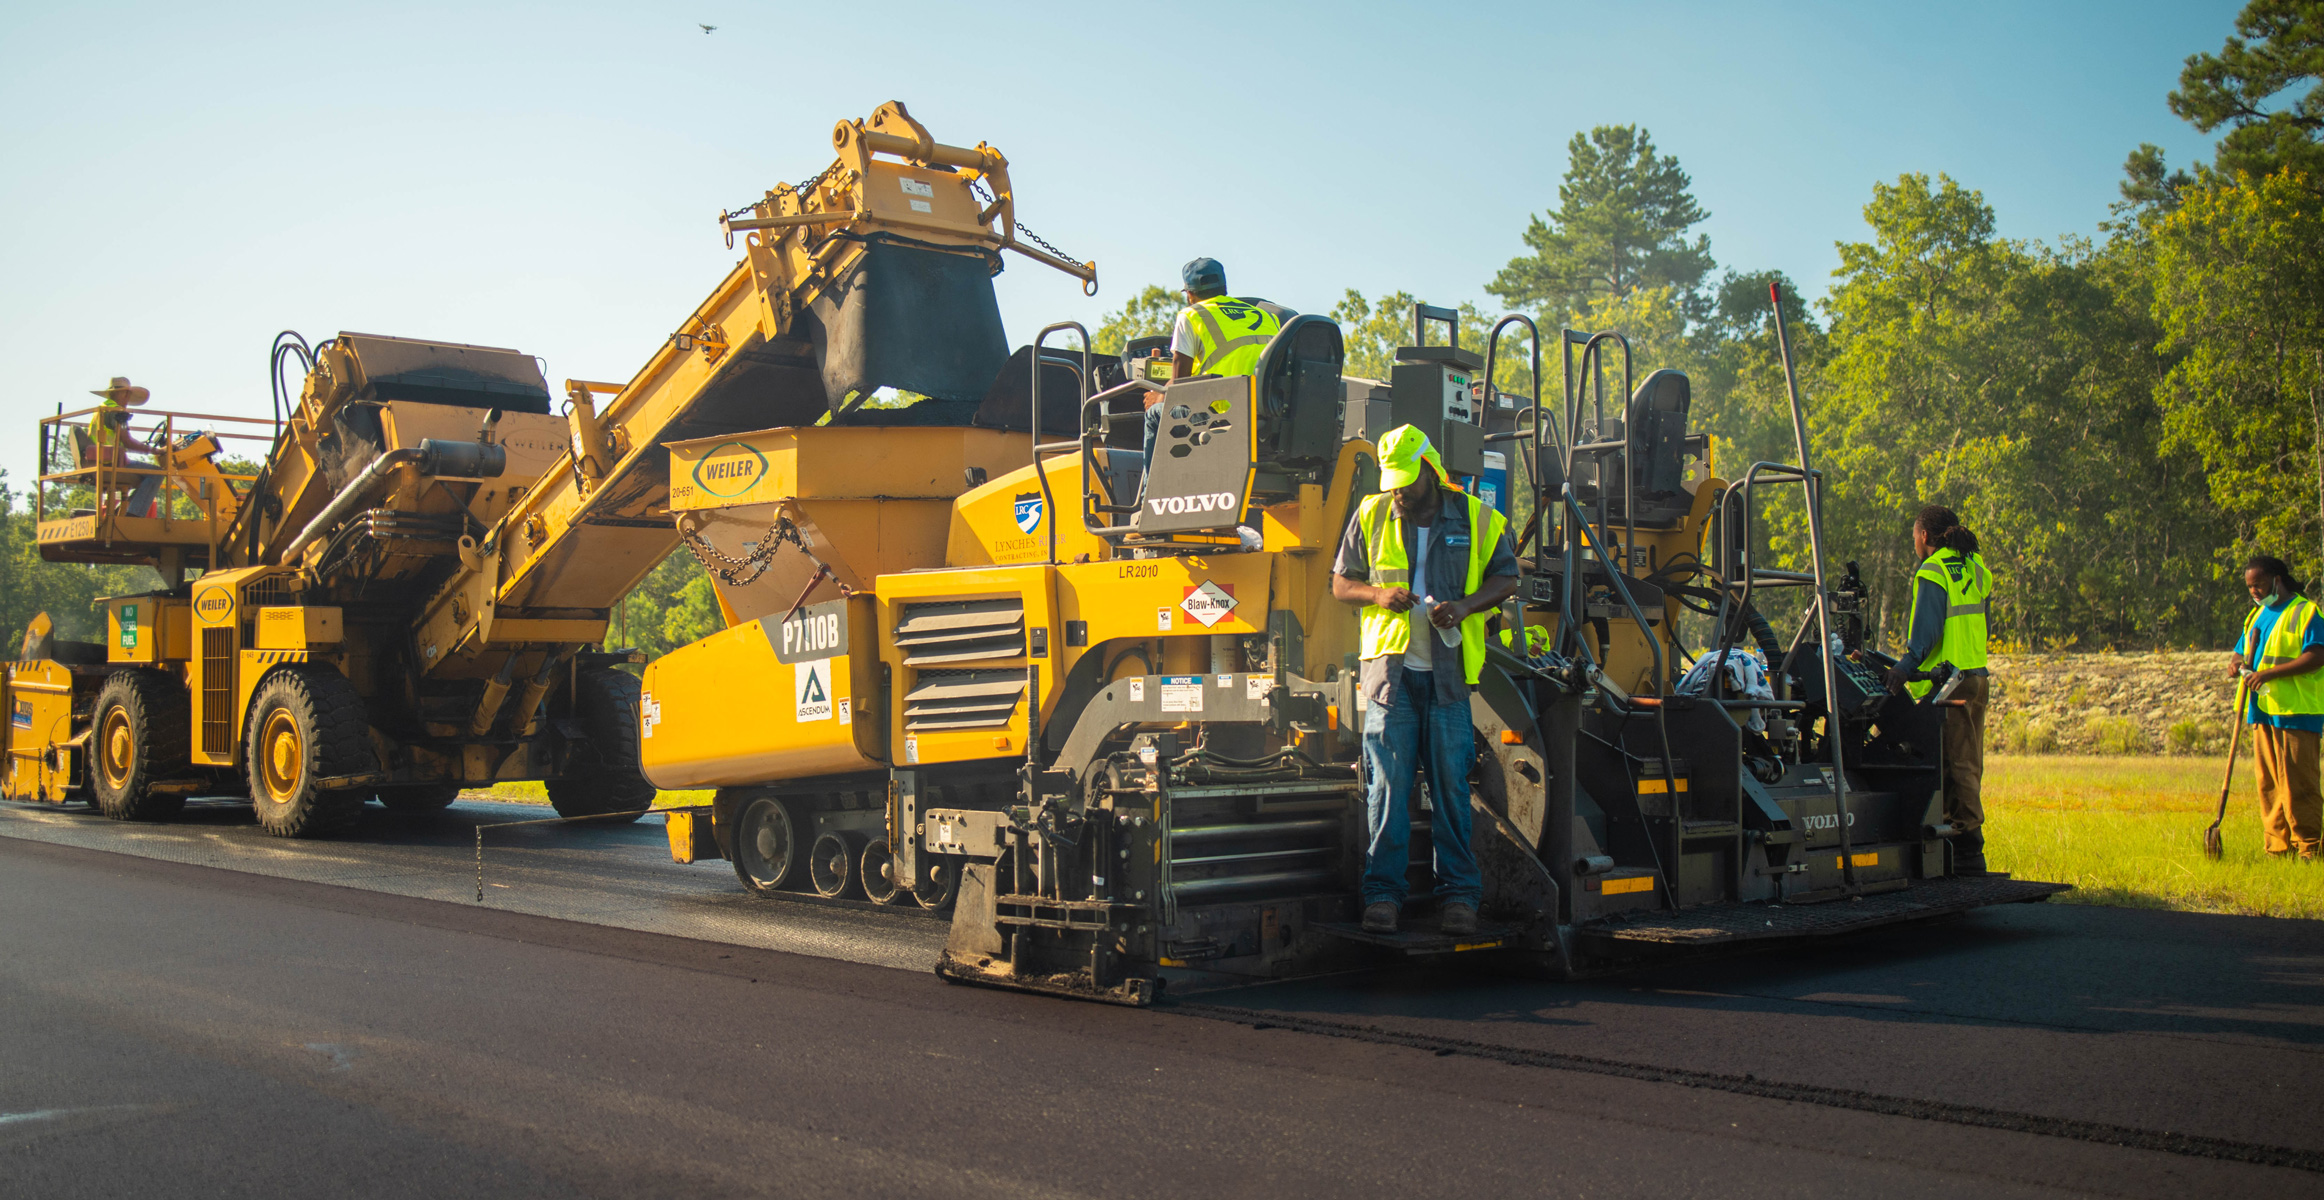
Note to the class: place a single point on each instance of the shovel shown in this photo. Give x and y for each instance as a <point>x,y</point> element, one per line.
<point>2212,846</point>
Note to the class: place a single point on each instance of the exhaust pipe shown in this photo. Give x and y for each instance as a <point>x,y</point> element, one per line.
<point>435,456</point>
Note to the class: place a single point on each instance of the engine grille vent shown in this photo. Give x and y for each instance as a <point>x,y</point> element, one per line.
<point>963,700</point>
<point>961,631</point>
<point>218,691</point>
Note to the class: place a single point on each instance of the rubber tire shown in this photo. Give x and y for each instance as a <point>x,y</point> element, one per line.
<point>419,798</point>
<point>158,717</point>
<point>832,867</point>
<point>333,739</point>
<point>939,882</point>
<point>776,862</point>
<point>876,871</point>
<point>604,773</point>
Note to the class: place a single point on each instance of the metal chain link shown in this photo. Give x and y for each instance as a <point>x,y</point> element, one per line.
<point>757,562</point>
<point>799,189</point>
<point>1027,230</point>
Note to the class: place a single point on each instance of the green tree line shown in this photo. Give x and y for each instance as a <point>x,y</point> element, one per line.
<point>2122,416</point>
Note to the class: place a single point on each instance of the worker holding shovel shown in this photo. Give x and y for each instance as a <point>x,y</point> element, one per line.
<point>2278,655</point>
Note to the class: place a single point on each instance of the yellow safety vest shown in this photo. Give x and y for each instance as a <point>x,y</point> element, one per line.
<point>1967,586</point>
<point>1229,334</point>
<point>2295,695</point>
<point>105,423</point>
<point>1382,632</point>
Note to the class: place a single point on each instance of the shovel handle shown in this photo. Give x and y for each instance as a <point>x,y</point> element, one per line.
<point>2234,744</point>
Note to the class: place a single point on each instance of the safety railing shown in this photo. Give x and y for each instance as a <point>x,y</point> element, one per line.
<point>100,455</point>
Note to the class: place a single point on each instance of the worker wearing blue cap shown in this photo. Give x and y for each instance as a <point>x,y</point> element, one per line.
<point>1216,334</point>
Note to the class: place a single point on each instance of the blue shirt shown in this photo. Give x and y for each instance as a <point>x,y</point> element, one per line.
<point>2311,638</point>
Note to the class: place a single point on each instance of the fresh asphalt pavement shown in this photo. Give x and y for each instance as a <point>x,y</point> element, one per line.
<point>197,1009</point>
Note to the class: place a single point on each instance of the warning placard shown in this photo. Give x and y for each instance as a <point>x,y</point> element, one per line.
<point>812,689</point>
<point>1208,603</point>
<point>1182,693</point>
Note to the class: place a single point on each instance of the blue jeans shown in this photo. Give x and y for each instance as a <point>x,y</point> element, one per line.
<point>1153,430</point>
<point>1417,730</point>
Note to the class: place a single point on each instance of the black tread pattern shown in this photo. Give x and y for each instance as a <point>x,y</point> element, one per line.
<point>337,736</point>
<point>603,774</point>
<point>161,717</point>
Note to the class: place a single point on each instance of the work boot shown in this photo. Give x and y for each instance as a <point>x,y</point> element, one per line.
<point>1969,854</point>
<point>1380,916</point>
<point>1459,919</point>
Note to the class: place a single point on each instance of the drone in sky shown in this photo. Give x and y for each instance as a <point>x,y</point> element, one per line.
<point>708,29</point>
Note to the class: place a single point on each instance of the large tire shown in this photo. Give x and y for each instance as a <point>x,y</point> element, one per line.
<point>306,724</point>
<point>421,798</point>
<point>770,847</point>
<point>603,775</point>
<point>142,734</point>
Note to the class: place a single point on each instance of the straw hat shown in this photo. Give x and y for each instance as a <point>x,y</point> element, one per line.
<point>122,390</point>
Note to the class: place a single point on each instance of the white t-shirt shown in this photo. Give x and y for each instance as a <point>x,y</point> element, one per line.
<point>1182,335</point>
<point>1420,648</point>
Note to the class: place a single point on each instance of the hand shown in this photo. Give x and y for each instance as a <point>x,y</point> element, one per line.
<point>1898,676</point>
<point>1449,614</point>
<point>2235,663</point>
<point>1394,599</point>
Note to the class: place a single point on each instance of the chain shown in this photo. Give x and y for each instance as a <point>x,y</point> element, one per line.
<point>731,573</point>
<point>1023,228</point>
<point>800,189</point>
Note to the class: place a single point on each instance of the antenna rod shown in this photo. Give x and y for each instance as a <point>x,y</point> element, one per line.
<point>1815,495</point>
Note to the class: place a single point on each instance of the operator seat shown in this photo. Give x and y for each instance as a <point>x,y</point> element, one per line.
<point>1653,428</point>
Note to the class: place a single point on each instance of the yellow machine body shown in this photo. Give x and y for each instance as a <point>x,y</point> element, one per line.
<point>766,699</point>
<point>427,532</point>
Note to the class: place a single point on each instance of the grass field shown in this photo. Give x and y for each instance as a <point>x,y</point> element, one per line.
<point>2124,831</point>
<point>2129,832</point>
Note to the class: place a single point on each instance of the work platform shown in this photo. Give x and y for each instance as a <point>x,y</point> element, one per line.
<point>168,506</point>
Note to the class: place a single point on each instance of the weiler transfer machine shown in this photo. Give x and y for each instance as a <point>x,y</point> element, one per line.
<point>410,595</point>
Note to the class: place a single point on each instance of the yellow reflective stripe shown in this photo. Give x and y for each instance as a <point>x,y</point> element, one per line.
<point>1210,334</point>
<point>1220,352</point>
<point>1966,610</point>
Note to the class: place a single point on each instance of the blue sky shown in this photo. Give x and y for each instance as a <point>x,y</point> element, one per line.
<point>178,182</point>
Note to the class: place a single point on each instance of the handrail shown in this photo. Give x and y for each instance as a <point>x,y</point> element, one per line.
<point>1661,717</point>
<point>1081,390</point>
<point>1533,465</point>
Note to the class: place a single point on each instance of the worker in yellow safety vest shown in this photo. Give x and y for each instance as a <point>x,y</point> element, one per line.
<point>1950,593</point>
<point>1215,334</point>
<point>2279,653</point>
<point>1428,563</point>
<point>109,433</point>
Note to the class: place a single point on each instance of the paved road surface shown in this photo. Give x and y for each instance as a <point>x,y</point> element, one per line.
<point>215,1013</point>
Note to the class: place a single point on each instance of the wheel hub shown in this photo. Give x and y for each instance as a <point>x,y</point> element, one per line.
<point>283,756</point>
<point>119,749</point>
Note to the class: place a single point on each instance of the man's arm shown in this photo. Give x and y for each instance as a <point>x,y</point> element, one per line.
<point>1354,566</point>
<point>1928,630</point>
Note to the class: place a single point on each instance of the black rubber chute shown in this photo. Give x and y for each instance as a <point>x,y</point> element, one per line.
<point>910,318</point>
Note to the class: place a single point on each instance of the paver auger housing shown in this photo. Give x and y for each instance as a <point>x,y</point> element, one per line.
<point>410,595</point>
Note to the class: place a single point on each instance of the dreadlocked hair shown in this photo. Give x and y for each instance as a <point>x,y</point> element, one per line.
<point>2271,565</point>
<point>1938,524</point>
